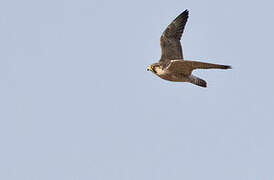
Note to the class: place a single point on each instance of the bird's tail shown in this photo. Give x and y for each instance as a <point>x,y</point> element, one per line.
<point>197,81</point>
<point>202,65</point>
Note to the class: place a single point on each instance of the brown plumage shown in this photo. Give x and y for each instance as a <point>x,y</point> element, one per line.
<point>172,66</point>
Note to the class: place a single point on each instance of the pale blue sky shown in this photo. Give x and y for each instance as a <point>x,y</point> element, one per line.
<point>78,104</point>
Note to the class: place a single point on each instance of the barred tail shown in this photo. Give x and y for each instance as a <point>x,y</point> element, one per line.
<point>197,81</point>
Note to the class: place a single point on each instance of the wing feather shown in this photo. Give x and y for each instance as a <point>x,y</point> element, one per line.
<point>186,67</point>
<point>170,39</point>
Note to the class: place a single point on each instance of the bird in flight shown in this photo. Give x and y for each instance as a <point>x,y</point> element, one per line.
<point>172,66</point>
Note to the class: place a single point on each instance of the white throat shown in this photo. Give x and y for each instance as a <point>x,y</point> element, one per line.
<point>159,71</point>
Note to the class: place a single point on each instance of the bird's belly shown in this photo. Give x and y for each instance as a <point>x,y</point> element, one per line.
<point>175,77</point>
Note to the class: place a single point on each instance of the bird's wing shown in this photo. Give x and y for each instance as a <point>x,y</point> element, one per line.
<point>170,39</point>
<point>179,66</point>
<point>186,67</point>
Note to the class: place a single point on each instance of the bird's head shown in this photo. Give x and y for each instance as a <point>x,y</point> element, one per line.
<point>153,67</point>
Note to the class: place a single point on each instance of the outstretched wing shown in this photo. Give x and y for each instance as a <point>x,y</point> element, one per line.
<point>178,66</point>
<point>170,39</point>
<point>186,67</point>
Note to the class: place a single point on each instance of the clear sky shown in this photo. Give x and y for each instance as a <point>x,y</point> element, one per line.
<point>77,103</point>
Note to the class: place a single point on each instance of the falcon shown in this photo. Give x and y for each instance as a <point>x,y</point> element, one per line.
<point>172,66</point>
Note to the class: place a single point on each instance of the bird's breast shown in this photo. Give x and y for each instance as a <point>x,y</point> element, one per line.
<point>161,71</point>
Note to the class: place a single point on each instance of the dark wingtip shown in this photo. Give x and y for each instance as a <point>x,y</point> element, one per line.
<point>228,67</point>
<point>225,67</point>
<point>204,85</point>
